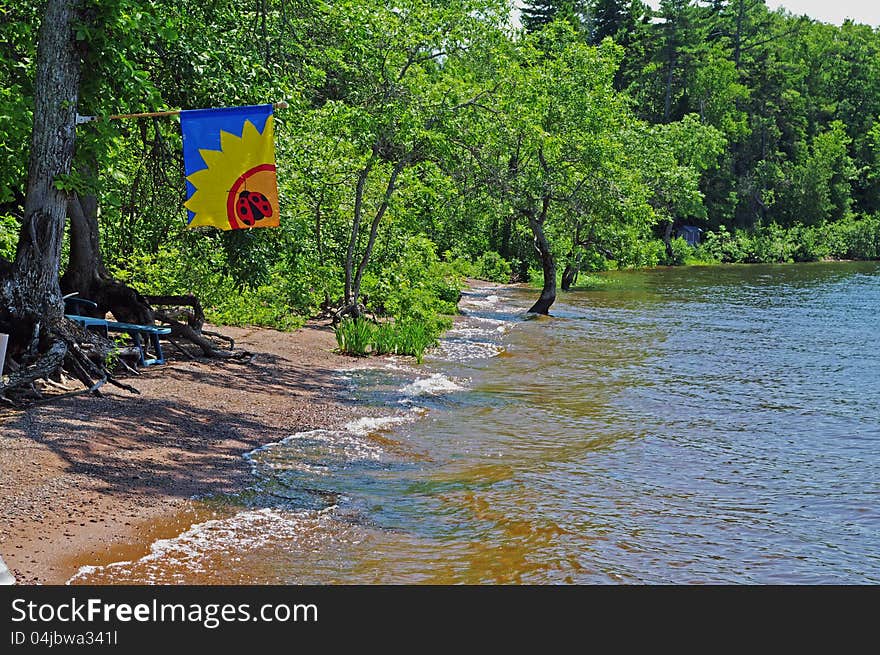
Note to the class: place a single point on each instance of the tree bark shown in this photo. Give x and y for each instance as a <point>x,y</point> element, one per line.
<point>548,264</point>
<point>350,300</point>
<point>667,241</point>
<point>374,227</point>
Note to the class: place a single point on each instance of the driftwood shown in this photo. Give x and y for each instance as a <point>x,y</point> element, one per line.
<point>186,318</point>
<point>172,307</point>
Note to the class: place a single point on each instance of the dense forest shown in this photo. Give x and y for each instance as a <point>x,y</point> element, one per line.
<point>429,140</point>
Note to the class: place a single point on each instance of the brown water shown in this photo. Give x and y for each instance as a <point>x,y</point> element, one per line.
<point>673,426</point>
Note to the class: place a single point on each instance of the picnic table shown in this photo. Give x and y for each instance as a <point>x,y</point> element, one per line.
<point>145,337</point>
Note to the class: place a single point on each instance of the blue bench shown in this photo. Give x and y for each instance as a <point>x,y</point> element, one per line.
<point>137,332</point>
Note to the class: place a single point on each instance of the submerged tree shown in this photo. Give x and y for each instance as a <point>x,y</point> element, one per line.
<point>555,133</point>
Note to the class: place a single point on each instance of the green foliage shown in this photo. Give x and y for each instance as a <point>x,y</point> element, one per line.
<point>493,267</point>
<point>855,238</point>
<point>225,300</point>
<point>815,187</point>
<point>408,281</point>
<point>681,251</point>
<point>436,129</point>
<point>404,338</point>
<point>8,237</point>
<point>642,254</point>
<point>414,338</point>
<point>851,238</point>
<point>592,282</point>
<point>261,306</point>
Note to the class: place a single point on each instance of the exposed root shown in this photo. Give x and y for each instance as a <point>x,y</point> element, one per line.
<point>355,310</point>
<point>46,365</point>
<point>183,351</point>
<point>70,348</point>
<point>221,337</point>
<point>184,331</point>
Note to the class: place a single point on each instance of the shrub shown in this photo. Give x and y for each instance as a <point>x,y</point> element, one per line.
<point>492,266</point>
<point>681,250</point>
<point>849,238</point>
<point>263,306</point>
<point>855,238</point>
<point>642,254</point>
<point>417,286</point>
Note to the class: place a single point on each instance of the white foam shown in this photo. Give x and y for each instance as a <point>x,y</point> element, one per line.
<point>461,351</point>
<point>435,385</point>
<point>192,551</point>
<point>489,301</point>
<point>490,321</point>
<point>369,424</point>
<point>299,451</point>
<point>472,332</point>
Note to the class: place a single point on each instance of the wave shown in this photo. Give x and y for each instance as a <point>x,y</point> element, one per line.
<point>196,551</point>
<point>436,385</point>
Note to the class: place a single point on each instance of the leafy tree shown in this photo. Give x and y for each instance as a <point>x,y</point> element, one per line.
<point>553,147</point>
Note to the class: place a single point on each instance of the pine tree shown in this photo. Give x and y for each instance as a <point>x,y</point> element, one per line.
<point>537,13</point>
<point>615,18</point>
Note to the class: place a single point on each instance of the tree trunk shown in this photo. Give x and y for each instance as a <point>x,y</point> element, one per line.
<point>31,307</point>
<point>548,264</point>
<point>667,240</point>
<point>86,275</point>
<point>350,299</point>
<point>374,227</point>
<point>569,275</point>
<point>30,295</point>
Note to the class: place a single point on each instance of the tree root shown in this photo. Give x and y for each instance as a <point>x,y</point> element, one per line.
<point>355,310</point>
<point>72,349</point>
<point>209,349</point>
<point>46,365</point>
<point>181,350</point>
<point>222,337</point>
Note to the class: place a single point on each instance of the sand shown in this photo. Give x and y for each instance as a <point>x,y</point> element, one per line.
<point>84,479</point>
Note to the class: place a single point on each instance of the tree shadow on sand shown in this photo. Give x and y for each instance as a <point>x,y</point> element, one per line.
<point>188,446</point>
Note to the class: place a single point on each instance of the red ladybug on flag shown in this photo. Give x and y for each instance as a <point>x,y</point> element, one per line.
<point>252,206</point>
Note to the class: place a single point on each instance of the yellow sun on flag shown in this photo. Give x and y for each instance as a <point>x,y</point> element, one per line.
<point>238,189</point>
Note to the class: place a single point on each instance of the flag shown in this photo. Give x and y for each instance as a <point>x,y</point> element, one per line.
<point>229,159</point>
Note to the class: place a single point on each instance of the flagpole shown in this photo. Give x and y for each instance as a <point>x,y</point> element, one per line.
<point>151,114</point>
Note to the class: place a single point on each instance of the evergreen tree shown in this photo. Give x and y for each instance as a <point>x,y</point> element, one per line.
<point>538,13</point>
<point>616,19</point>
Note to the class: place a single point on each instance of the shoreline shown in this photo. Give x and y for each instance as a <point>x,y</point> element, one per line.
<point>89,480</point>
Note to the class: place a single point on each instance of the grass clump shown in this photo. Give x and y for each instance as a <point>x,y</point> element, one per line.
<point>355,336</point>
<point>362,337</point>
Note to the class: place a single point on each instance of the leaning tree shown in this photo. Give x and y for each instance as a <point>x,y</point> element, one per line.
<point>551,134</point>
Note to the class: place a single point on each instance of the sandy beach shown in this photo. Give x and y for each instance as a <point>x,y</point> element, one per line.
<point>89,480</point>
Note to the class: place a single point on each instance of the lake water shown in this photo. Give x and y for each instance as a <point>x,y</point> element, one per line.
<point>689,425</point>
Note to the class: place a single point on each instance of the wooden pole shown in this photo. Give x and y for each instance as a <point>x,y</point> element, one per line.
<point>151,114</point>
